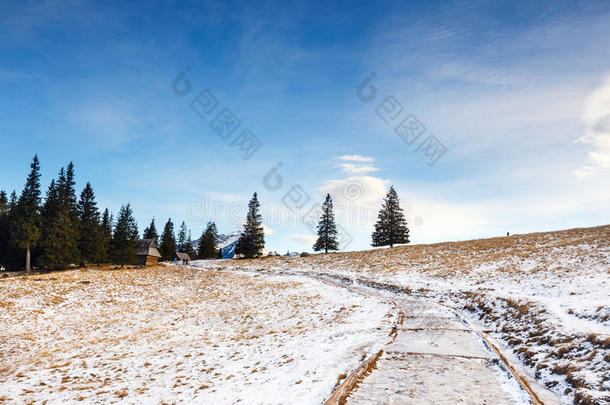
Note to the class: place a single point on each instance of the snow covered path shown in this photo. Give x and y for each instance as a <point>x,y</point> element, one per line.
<point>433,357</point>
<point>436,359</point>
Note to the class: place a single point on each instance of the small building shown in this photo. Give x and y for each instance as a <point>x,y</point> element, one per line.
<point>181,257</point>
<point>147,252</point>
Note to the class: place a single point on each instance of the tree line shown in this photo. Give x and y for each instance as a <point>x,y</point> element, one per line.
<point>64,230</point>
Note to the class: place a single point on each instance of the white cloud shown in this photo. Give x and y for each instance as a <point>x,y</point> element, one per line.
<point>596,117</point>
<point>356,158</point>
<point>268,230</point>
<point>583,172</point>
<point>357,190</point>
<point>351,168</point>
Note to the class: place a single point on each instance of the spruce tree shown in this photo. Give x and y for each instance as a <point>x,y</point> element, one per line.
<point>12,202</point>
<point>252,239</point>
<point>90,240</point>
<point>208,242</point>
<point>52,226</point>
<point>3,202</point>
<point>125,238</point>
<point>4,229</point>
<point>67,192</point>
<point>327,230</point>
<point>12,253</point>
<point>182,233</point>
<point>151,232</point>
<point>106,237</point>
<point>391,226</point>
<point>167,248</point>
<point>25,230</point>
<point>60,222</point>
<point>188,246</point>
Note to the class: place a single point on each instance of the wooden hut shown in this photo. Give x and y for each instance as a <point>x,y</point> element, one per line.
<point>181,257</point>
<point>147,252</point>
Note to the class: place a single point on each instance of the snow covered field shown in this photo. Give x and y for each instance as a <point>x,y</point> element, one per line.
<point>174,334</point>
<point>544,296</point>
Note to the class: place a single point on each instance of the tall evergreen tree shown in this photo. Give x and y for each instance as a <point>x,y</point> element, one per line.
<point>61,225</point>
<point>391,226</point>
<point>106,237</point>
<point>151,232</point>
<point>3,202</point>
<point>11,256</point>
<point>167,248</point>
<point>53,225</point>
<point>90,240</point>
<point>188,246</point>
<point>208,242</point>
<point>67,193</point>
<point>4,230</point>
<point>252,239</point>
<point>125,238</point>
<point>25,231</point>
<point>327,230</point>
<point>12,202</point>
<point>182,234</point>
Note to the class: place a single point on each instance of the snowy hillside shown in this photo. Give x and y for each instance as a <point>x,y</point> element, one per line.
<point>544,296</point>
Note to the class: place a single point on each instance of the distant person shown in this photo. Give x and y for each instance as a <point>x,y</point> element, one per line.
<point>507,233</point>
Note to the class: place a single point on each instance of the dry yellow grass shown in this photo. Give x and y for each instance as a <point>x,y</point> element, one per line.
<point>450,259</point>
<point>160,332</point>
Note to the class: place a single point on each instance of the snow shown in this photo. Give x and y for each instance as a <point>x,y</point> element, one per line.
<point>176,334</point>
<point>545,297</point>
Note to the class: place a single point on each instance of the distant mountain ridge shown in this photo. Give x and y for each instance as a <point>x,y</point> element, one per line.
<point>228,242</point>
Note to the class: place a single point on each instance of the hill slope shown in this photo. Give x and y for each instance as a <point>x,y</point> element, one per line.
<point>545,296</point>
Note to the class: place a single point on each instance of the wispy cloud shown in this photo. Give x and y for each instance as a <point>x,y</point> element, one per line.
<point>351,168</point>
<point>355,164</point>
<point>356,158</point>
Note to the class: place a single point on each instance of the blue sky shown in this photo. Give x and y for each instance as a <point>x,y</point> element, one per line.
<point>518,95</point>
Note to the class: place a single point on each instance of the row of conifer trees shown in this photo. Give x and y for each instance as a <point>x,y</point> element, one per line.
<point>63,230</point>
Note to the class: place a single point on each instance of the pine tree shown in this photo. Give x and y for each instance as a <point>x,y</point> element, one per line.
<point>167,248</point>
<point>67,192</point>
<point>25,231</point>
<point>151,232</point>
<point>391,226</point>
<point>208,242</point>
<point>327,230</point>
<point>252,240</point>
<point>90,240</point>
<point>52,226</point>
<point>125,238</point>
<point>188,246</point>
<point>182,237</point>
<point>3,202</point>
<point>4,229</point>
<point>11,256</point>
<point>60,223</point>
<point>106,237</point>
